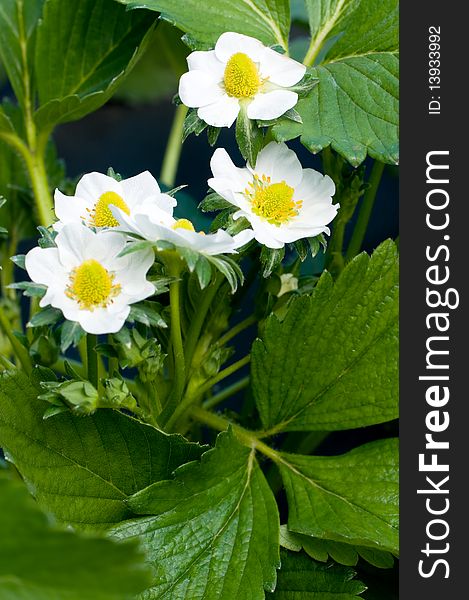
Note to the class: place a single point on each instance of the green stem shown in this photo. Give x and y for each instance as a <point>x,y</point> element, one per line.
<point>234,331</point>
<point>229,391</point>
<point>249,438</point>
<point>5,363</point>
<point>20,351</point>
<point>223,375</point>
<point>365,211</point>
<point>176,335</point>
<point>40,184</point>
<point>191,399</point>
<point>92,360</point>
<point>174,147</point>
<point>197,323</point>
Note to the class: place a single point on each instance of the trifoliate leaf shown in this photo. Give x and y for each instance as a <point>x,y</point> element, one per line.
<point>302,578</point>
<point>342,553</point>
<point>349,498</point>
<point>82,469</point>
<point>354,107</point>
<point>212,532</point>
<point>332,363</point>
<point>41,562</point>
<point>204,20</point>
<point>77,70</point>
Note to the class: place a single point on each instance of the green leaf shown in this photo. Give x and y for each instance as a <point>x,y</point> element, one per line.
<point>83,52</point>
<point>82,469</point>
<point>71,334</point>
<point>213,202</point>
<point>301,578</point>
<point>349,498</point>
<point>248,137</point>
<point>229,268</point>
<point>192,124</point>
<point>18,22</point>
<point>203,271</point>
<point>147,313</point>
<point>345,554</point>
<point>354,107</point>
<point>271,258</point>
<point>212,532</point>
<point>41,562</point>
<point>341,371</point>
<point>205,20</point>
<point>45,316</point>
<point>6,126</point>
<point>29,289</point>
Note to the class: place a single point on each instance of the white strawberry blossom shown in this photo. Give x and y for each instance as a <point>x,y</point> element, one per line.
<point>96,192</point>
<point>88,280</point>
<point>282,201</point>
<point>240,71</point>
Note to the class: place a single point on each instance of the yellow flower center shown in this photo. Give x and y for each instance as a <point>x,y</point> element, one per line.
<point>102,215</point>
<point>272,201</point>
<point>183,224</point>
<point>92,286</point>
<point>241,76</point>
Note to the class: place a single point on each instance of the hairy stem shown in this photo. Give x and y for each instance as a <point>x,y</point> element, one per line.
<point>365,211</point>
<point>18,349</point>
<point>199,318</point>
<point>229,391</point>
<point>173,148</point>
<point>234,331</point>
<point>92,360</point>
<point>224,374</point>
<point>249,438</point>
<point>176,335</point>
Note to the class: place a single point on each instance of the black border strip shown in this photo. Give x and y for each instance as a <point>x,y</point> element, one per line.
<point>422,132</point>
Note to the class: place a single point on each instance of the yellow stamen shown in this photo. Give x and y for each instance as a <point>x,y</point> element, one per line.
<point>92,286</point>
<point>102,215</point>
<point>272,201</point>
<point>183,224</point>
<point>241,76</point>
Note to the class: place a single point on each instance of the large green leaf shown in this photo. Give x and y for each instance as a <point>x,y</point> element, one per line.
<point>332,363</point>
<point>40,562</point>
<point>84,50</point>
<point>302,578</point>
<point>349,498</point>
<point>18,21</point>
<point>82,469</point>
<point>341,552</point>
<point>355,106</point>
<point>204,20</point>
<point>213,531</point>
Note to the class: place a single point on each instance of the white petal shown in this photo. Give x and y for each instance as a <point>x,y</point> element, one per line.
<point>279,163</point>
<point>207,62</point>
<point>221,113</point>
<point>100,321</point>
<point>265,237</point>
<point>280,69</point>
<point>71,209</point>
<point>133,269</point>
<point>292,235</point>
<point>243,237</point>
<point>197,88</point>
<point>230,43</point>
<point>92,185</point>
<point>76,243</point>
<point>314,186</point>
<point>223,168</point>
<point>137,188</point>
<point>43,266</point>
<point>316,215</point>
<point>272,104</point>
